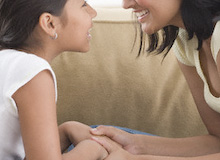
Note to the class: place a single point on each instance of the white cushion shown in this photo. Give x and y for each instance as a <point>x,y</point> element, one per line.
<point>105,3</point>
<point>113,15</point>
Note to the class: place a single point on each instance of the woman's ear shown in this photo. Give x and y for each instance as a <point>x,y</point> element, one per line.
<point>47,23</point>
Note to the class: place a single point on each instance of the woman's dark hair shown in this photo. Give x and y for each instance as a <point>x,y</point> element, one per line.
<point>197,17</point>
<point>18,18</point>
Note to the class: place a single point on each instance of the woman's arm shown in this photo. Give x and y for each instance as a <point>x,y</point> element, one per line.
<point>185,147</point>
<point>116,152</point>
<point>38,123</point>
<point>161,146</point>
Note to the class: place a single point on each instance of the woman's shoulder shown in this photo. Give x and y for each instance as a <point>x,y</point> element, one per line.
<point>215,41</point>
<point>184,48</point>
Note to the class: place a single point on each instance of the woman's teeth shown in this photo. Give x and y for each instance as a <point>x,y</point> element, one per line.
<point>142,13</point>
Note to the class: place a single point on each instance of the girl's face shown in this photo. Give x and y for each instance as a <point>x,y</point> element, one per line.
<point>155,14</point>
<point>74,34</point>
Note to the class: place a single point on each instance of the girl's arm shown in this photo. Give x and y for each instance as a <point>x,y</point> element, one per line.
<point>38,123</point>
<point>73,132</point>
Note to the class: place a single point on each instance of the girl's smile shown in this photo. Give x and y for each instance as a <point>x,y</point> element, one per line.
<point>89,36</point>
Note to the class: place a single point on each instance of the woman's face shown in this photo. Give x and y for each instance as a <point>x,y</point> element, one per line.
<point>155,14</point>
<point>75,32</point>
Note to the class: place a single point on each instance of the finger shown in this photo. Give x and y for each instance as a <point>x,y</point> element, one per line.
<point>113,133</point>
<point>108,131</point>
<point>103,143</point>
<point>108,144</point>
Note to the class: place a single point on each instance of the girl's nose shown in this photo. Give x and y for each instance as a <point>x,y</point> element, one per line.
<point>92,12</point>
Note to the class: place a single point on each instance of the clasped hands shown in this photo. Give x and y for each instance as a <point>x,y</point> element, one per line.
<point>118,144</point>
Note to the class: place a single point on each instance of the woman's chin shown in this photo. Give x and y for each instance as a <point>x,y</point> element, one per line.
<point>147,29</point>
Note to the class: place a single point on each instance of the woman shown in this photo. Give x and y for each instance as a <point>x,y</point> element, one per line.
<point>32,34</point>
<point>193,29</point>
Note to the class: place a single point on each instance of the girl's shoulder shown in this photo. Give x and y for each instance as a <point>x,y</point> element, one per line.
<point>17,68</point>
<point>20,61</point>
<point>15,55</point>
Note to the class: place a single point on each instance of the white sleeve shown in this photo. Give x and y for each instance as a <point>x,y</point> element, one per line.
<point>215,41</point>
<point>183,48</point>
<point>22,69</point>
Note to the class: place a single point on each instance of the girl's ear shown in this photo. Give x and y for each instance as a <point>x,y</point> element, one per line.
<point>47,23</point>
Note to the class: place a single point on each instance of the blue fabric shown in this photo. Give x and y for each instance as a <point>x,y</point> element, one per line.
<point>132,131</point>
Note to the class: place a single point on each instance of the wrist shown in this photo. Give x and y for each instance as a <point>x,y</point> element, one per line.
<point>76,131</point>
<point>139,145</point>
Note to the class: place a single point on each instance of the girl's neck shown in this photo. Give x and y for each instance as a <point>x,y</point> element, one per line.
<point>48,55</point>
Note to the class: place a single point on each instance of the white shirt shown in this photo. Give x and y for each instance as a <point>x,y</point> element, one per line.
<point>187,53</point>
<point>16,69</point>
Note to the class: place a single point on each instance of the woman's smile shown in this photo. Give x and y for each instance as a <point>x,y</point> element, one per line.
<point>141,14</point>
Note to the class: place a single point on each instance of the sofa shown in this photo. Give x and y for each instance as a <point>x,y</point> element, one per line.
<point>111,85</point>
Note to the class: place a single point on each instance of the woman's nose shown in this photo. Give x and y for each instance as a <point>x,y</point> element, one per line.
<point>128,4</point>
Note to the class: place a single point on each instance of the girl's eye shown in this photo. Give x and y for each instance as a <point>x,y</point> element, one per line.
<point>85,4</point>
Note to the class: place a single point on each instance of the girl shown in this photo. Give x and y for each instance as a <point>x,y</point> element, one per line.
<point>32,34</point>
<point>193,27</point>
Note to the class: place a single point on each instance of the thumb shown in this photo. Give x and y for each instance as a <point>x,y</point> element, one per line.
<point>104,131</point>
<point>121,137</point>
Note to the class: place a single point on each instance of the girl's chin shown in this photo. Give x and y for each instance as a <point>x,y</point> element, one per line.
<point>82,50</point>
<point>85,49</point>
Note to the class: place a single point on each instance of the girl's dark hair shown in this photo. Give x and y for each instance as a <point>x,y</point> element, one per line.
<point>18,18</point>
<point>197,17</point>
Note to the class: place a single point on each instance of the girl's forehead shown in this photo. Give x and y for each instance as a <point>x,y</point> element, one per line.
<point>75,1</point>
